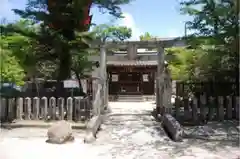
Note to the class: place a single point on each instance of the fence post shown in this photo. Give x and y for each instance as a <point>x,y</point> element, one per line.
<point>220,108</point>
<point>28,104</point>
<point>60,103</point>
<point>203,103</point>
<point>20,108</point>
<point>177,107</point>
<point>195,109</point>
<point>11,105</point>
<point>168,92</point>
<point>3,108</point>
<point>69,108</point>
<point>211,108</point>
<point>85,108</point>
<point>45,104</point>
<point>52,108</point>
<point>237,107</point>
<point>82,109</point>
<point>36,106</point>
<point>187,114</point>
<point>89,107</point>
<point>77,109</point>
<point>229,107</point>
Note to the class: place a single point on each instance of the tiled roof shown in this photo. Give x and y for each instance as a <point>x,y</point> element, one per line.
<point>132,63</point>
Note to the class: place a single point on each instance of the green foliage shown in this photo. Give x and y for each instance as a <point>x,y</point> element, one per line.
<point>216,39</point>
<point>21,46</point>
<point>147,36</point>
<point>112,7</point>
<point>106,32</point>
<point>11,70</point>
<point>181,63</point>
<point>61,37</point>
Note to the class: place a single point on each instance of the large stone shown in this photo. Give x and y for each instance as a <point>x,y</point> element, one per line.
<point>93,126</point>
<point>60,133</point>
<point>172,127</point>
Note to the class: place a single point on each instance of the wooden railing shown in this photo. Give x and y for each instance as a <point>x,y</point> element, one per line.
<point>205,108</point>
<point>77,108</point>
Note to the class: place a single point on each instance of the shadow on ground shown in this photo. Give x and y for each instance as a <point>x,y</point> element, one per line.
<point>131,131</point>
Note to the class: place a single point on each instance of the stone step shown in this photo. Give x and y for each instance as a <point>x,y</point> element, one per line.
<point>133,98</point>
<point>130,98</point>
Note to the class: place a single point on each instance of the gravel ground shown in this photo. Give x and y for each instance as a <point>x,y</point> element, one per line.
<point>129,132</point>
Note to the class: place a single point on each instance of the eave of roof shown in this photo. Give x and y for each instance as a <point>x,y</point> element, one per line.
<point>132,63</point>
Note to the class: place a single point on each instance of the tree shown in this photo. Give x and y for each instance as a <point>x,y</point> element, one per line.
<point>25,50</point>
<point>182,63</point>
<point>21,46</point>
<point>106,32</point>
<point>147,36</point>
<point>60,25</point>
<point>11,71</point>
<point>216,25</point>
<point>215,41</point>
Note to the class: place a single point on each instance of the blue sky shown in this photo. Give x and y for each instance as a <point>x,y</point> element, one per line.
<point>158,17</point>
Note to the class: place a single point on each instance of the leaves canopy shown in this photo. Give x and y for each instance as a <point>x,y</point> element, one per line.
<point>216,37</point>
<point>106,32</point>
<point>62,34</point>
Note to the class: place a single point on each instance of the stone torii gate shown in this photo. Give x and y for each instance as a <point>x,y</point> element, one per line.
<point>162,97</point>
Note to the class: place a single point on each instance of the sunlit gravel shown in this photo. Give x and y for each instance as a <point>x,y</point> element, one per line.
<point>129,132</point>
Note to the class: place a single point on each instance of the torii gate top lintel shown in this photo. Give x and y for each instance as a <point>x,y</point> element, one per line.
<point>151,44</point>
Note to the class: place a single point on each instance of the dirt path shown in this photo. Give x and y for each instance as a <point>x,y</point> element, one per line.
<point>129,132</point>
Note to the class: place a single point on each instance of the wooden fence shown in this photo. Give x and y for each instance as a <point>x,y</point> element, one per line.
<point>209,88</point>
<point>71,109</point>
<point>205,108</point>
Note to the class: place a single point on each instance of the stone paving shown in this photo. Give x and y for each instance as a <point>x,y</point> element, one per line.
<point>129,132</point>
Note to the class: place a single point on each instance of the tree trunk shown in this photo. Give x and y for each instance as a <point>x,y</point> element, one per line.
<point>64,66</point>
<point>79,81</point>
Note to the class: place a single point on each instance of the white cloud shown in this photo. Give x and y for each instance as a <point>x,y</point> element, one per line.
<point>129,22</point>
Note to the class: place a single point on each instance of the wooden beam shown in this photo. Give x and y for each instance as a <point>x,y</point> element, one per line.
<point>142,44</point>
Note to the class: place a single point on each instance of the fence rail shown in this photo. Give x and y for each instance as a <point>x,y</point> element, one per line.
<point>71,109</point>
<point>207,108</point>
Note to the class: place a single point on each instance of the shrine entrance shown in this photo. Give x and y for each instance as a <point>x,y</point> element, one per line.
<point>130,83</point>
<point>131,80</point>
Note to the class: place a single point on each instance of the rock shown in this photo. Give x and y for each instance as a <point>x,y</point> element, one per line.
<point>60,133</point>
<point>172,127</point>
<point>89,138</point>
<point>107,109</point>
<point>93,126</point>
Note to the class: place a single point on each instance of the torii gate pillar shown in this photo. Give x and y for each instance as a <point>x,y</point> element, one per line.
<point>160,80</point>
<point>103,75</point>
